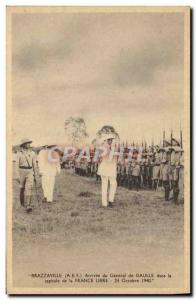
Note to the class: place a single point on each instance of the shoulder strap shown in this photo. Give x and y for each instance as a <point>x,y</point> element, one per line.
<point>27,160</point>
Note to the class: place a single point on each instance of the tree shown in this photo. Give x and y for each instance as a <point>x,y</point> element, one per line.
<point>75,130</point>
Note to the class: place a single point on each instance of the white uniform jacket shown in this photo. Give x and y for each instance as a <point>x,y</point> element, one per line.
<point>48,167</point>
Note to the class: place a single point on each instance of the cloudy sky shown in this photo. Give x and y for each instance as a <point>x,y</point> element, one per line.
<point>124,70</point>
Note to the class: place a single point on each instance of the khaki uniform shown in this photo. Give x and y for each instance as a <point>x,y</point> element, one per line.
<point>181,183</point>
<point>26,169</point>
<point>175,179</point>
<point>135,175</point>
<point>165,175</point>
<point>156,172</point>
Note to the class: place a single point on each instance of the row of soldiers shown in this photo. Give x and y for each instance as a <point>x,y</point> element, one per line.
<point>161,169</point>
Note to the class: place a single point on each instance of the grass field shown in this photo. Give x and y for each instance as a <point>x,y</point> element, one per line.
<point>142,233</point>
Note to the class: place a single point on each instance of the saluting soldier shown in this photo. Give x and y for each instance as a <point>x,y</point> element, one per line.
<point>26,173</point>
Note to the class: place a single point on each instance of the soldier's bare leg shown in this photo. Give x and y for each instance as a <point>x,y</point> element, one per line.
<point>137,183</point>
<point>175,191</point>
<point>167,190</point>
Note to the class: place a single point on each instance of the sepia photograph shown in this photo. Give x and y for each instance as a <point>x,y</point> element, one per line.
<point>98,150</point>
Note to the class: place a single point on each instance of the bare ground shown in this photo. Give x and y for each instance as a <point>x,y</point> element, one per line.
<point>142,233</point>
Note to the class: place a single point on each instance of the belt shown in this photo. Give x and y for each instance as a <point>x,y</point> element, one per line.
<point>27,168</point>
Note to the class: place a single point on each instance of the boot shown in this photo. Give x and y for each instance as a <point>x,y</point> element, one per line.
<point>44,200</point>
<point>28,203</point>
<point>110,204</point>
<point>29,209</point>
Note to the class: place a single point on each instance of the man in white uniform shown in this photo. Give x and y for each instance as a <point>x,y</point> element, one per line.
<point>108,172</point>
<point>48,169</point>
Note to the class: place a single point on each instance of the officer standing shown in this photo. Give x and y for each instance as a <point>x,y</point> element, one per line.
<point>108,172</point>
<point>49,168</point>
<point>26,169</point>
<point>165,174</point>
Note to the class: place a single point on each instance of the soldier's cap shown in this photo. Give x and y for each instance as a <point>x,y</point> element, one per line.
<point>25,141</point>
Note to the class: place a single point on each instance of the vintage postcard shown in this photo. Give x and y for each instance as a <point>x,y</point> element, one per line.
<point>98,150</point>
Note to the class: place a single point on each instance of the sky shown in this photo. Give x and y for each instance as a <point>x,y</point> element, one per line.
<point>118,69</point>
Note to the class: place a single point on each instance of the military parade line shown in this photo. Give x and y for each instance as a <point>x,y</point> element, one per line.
<point>134,168</point>
<point>153,169</point>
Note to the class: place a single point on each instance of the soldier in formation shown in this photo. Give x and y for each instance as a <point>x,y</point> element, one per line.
<point>161,169</point>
